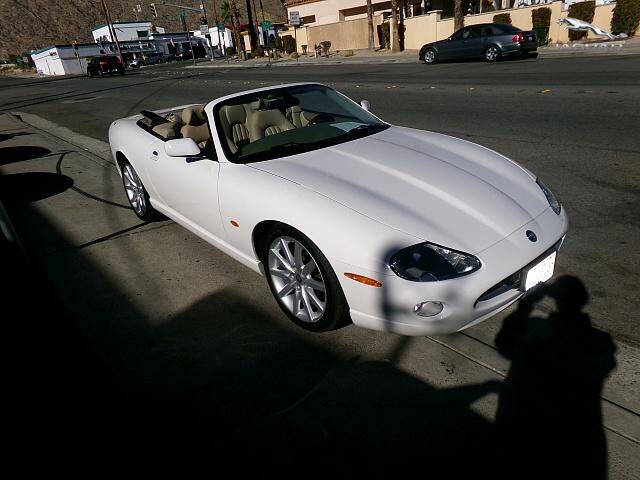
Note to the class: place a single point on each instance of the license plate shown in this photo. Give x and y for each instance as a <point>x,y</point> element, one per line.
<point>540,272</point>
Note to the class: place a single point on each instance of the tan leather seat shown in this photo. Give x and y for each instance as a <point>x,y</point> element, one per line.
<point>263,123</point>
<point>167,130</point>
<point>299,117</point>
<point>195,124</point>
<point>233,119</point>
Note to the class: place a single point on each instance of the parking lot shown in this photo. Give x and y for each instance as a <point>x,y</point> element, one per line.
<point>187,340</point>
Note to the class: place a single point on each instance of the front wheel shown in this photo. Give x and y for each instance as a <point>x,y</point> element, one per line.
<point>302,281</point>
<point>430,56</point>
<point>492,53</point>
<point>137,194</point>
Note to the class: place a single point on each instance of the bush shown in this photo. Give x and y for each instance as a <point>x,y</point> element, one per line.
<point>258,52</point>
<point>231,51</point>
<point>502,18</point>
<point>288,44</point>
<point>541,17</point>
<point>626,17</point>
<point>582,11</point>
<point>487,6</point>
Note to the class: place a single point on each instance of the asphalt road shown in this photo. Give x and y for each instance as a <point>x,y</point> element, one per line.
<point>572,121</point>
<point>169,342</point>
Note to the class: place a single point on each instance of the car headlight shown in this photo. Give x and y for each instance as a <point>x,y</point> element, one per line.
<point>551,198</point>
<point>427,262</point>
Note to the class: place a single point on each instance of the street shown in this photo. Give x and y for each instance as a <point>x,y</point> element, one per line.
<point>172,319</point>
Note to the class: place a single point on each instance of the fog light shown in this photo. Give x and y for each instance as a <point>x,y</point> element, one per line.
<point>428,309</point>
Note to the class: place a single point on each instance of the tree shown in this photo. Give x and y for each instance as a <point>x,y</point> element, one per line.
<point>253,34</point>
<point>372,43</point>
<point>235,18</point>
<point>393,25</point>
<point>458,16</point>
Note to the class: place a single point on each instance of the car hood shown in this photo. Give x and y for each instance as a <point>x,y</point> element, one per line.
<point>431,186</point>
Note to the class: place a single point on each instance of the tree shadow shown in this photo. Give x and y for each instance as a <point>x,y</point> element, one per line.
<point>19,154</point>
<point>550,406</point>
<point>8,136</point>
<point>32,186</point>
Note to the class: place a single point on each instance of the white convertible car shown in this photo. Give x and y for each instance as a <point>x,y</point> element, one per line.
<point>347,216</point>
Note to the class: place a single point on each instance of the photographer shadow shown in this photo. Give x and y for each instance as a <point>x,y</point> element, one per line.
<point>549,415</point>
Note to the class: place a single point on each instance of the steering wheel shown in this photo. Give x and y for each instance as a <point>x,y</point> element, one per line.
<point>321,118</point>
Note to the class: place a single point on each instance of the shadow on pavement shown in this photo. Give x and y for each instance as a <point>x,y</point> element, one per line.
<point>19,154</point>
<point>550,405</point>
<point>32,186</point>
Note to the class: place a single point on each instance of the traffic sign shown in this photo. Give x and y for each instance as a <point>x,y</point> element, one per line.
<point>294,18</point>
<point>204,29</point>
<point>221,26</point>
<point>266,25</point>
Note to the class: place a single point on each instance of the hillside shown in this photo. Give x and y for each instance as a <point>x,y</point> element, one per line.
<point>31,24</point>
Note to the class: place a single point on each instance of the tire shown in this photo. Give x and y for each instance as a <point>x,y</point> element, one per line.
<point>136,194</point>
<point>430,56</point>
<point>492,53</point>
<point>307,292</point>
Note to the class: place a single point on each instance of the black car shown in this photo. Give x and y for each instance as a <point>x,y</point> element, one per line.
<point>108,64</point>
<point>490,41</point>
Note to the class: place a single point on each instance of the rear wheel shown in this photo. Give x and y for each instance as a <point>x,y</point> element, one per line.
<point>492,53</point>
<point>302,281</point>
<point>430,56</point>
<point>136,193</point>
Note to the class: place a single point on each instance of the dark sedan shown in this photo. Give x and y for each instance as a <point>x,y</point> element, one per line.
<point>100,66</point>
<point>490,41</point>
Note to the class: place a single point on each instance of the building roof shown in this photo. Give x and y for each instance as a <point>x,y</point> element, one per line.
<point>120,23</point>
<point>293,3</point>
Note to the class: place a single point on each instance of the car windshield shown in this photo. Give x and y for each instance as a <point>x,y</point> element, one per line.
<point>290,120</point>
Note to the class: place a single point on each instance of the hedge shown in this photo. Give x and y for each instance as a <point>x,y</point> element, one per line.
<point>541,17</point>
<point>626,17</point>
<point>582,11</point>
<point>502,18</point>
<point>487,6</point>
<point>288,44</point>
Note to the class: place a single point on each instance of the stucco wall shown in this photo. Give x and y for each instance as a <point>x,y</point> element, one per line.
<point>328,11</point>
<point>352,34</point>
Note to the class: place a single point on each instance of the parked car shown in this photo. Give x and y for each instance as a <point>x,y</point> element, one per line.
<point>348,217</point>
<point>108,64</point>
<point>490,41</point>
<point>149,59</point>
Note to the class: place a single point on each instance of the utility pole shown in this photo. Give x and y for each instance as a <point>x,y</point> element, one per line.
<point>112,30</point>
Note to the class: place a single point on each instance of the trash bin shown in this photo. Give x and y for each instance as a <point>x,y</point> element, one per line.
<point>543,35</point>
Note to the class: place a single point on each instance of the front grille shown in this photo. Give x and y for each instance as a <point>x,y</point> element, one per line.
<point>512,282</point>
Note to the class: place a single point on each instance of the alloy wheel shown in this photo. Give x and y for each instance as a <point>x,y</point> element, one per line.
<point>429,56</point>
<point>297,279</point>
<point>135,190</point>
<point>492,54</point>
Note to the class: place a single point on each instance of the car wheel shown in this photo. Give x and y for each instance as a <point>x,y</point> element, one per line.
<point>136,193</point>
<point>430,56</point>
<point>302,281</point>
<point>492,53</point>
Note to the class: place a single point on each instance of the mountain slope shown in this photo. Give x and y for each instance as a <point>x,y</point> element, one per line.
<point>31,24</point>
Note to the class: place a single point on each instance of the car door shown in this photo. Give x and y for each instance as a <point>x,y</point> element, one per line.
<point>187,186</point>
<point>474,41</point>
<point>452,47</point>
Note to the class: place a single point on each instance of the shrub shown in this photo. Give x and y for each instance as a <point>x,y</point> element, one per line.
<point>626,17</point>
<point>288,44</point>
<point>231,51</point>
<point>541,17</point>
<point>487,6</point>
<point>582,11</point>
<point>502,18</point>
<point>258,52</point>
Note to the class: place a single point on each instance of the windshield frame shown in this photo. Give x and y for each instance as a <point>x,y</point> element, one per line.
<point>255,158</point>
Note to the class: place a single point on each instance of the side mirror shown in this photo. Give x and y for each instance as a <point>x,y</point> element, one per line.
<point>366,105</point>
<point>181,147</point>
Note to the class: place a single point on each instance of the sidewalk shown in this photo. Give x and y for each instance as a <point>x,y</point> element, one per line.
<point>193,352</point>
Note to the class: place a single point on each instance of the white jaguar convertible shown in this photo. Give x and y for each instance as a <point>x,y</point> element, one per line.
<point>347,216</point>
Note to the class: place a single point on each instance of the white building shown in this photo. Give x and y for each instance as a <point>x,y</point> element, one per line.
<point>62,59</point>
<point>125,31</point>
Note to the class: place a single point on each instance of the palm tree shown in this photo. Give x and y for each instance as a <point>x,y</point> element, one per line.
<point>372,43</point>
<point>458,16</point>
<point>235,19</point>
<point>393,27</point>
<point>253,33</point>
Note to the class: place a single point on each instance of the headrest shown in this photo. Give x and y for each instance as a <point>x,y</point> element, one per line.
<point>193,115</point>
<point>257,105</point>
<point>234,114</point>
